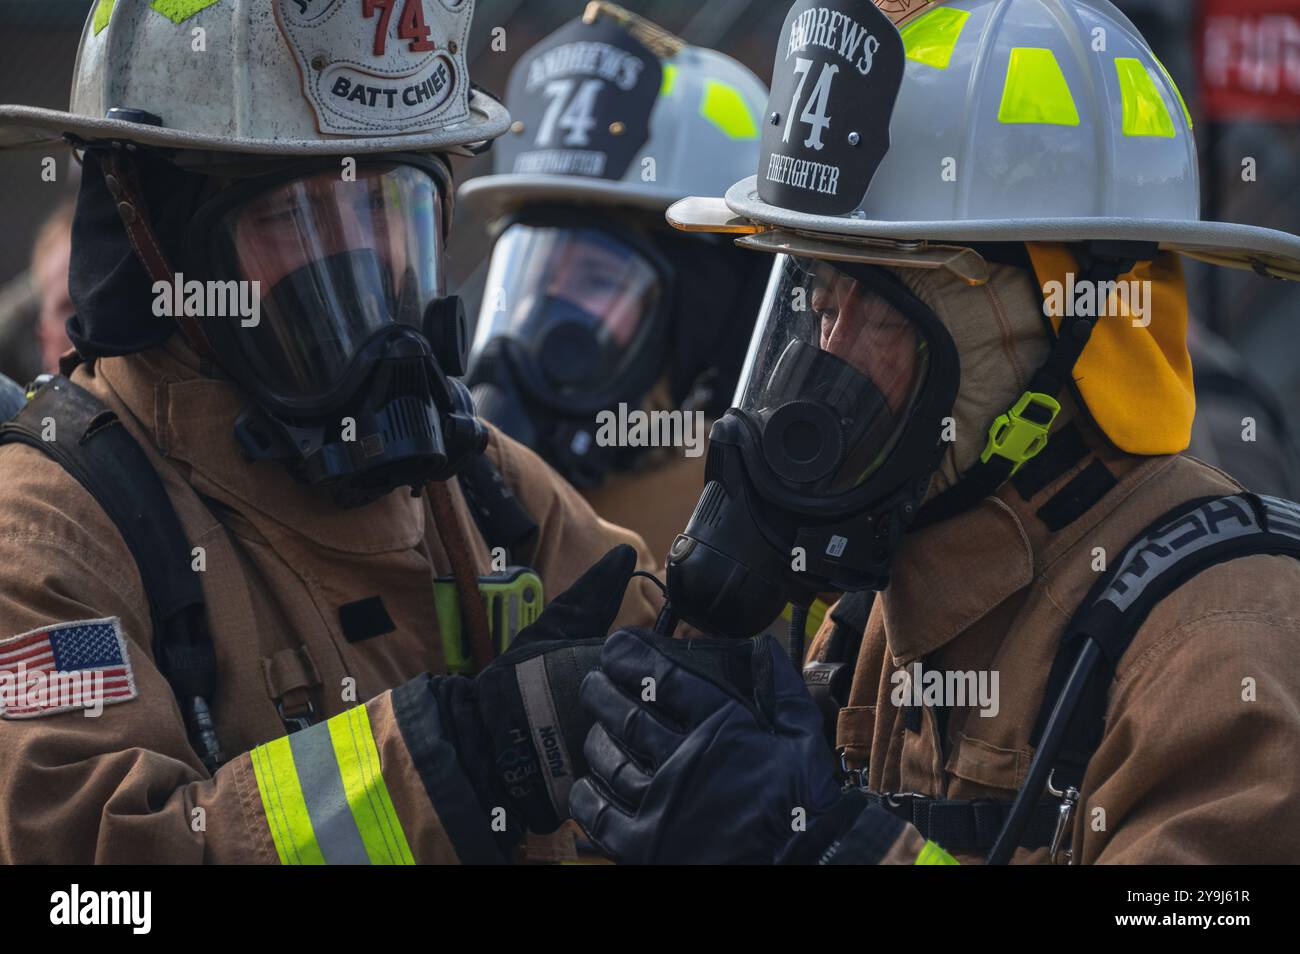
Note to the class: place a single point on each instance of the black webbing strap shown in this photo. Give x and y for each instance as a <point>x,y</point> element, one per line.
<point>967,826</point>
<point>1063,453</point>
<point>1183,543</point>
<point>89,442</point>
<point>1088,488</point>
<point>497,512</point>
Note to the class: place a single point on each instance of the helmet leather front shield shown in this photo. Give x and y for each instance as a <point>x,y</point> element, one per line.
<point>577,310</point>
<point>337,262</point>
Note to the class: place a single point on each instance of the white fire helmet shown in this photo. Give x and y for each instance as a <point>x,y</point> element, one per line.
<point>271,77</point>
<point>1006,120</point>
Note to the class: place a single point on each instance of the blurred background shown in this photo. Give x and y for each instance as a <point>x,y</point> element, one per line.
<point>1236,61</point>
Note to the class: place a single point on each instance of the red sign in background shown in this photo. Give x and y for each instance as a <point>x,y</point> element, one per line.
<point>1250,60</point>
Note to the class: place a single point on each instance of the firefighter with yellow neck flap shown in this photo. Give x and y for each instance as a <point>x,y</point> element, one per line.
<point>238,531</point>
<point>599,322</point>
<point>968,391</point>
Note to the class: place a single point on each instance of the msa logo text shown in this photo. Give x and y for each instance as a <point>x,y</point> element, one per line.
<point>77,907</point>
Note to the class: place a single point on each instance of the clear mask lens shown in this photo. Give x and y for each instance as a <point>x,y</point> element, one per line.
<point>834,373</point>
<point>337,261</point>
<point>577,303</point>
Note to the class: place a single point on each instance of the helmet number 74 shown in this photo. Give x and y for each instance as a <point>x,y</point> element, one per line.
<point>577,120</point>
<point>814,113</point>
<point>411,26</point>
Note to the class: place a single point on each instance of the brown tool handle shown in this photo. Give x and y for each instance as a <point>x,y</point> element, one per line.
<point>473,614</point>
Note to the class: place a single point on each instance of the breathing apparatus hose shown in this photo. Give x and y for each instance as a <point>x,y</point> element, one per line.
<point>798,625</point>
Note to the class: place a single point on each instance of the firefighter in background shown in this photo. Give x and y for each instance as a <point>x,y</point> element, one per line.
<point>593,307</point>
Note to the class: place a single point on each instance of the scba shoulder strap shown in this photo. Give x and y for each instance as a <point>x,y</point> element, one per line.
<point>78,432</point>
<point>1180,545</point>
<point>829,676</point>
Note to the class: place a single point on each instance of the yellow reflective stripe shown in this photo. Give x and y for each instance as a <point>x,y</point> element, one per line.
<point>178,11</point>
<point>1145,113</point>
<point>932,854</point>
<point>367,794</point>
<point>670,80</point>
<point>1177,92</point>
<point>1036,90</point>
<point>285,808</point>
<point>726,108</point>
<point>930,39</point>
<point>102,12</point>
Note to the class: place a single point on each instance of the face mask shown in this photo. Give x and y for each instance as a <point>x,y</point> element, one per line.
<point>814,475</point>
<point>348,353</point>
<point>573,323</point>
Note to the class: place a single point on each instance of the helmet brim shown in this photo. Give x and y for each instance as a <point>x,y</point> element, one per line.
<point>493,197</point>
<point>1266,251</point>
<point>30,126</point>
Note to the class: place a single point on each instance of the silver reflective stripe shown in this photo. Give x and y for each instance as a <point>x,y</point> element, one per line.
<point>557,767</point>
<point>327,802</point>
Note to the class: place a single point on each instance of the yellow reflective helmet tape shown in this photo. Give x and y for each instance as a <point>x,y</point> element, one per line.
<point>931,38</point>
<point>1177,92</point>
<point>1145,113</point>
<point>669,85</point>
<point>1036,90</point>
<point>283,803</point>
<point>103,11</point>
<point>932,854</point>
<point>726,108</point>
<point>367,794</point>
<point>325,798</point>
<point>178,11</point>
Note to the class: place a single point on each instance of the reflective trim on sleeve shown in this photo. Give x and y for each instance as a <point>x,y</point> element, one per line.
<point>932,854</point>
<point>325,798</point>
<point>372,808</point>
<point>282,800</point>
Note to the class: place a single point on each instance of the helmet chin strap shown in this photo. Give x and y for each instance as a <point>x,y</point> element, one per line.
<point>123,184</point>
<point>1020,434</point>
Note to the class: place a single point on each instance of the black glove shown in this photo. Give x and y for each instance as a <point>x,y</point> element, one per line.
<point>517,726</point>
<point>717,760</point>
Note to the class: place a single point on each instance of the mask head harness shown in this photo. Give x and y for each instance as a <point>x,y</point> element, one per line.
<point>803,495</point>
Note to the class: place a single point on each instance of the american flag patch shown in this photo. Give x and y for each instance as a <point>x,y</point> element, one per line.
<point>79,665</point>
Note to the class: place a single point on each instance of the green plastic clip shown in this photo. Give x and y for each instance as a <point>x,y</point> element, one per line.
<point>513,598</point>
<point>1021,434</point>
